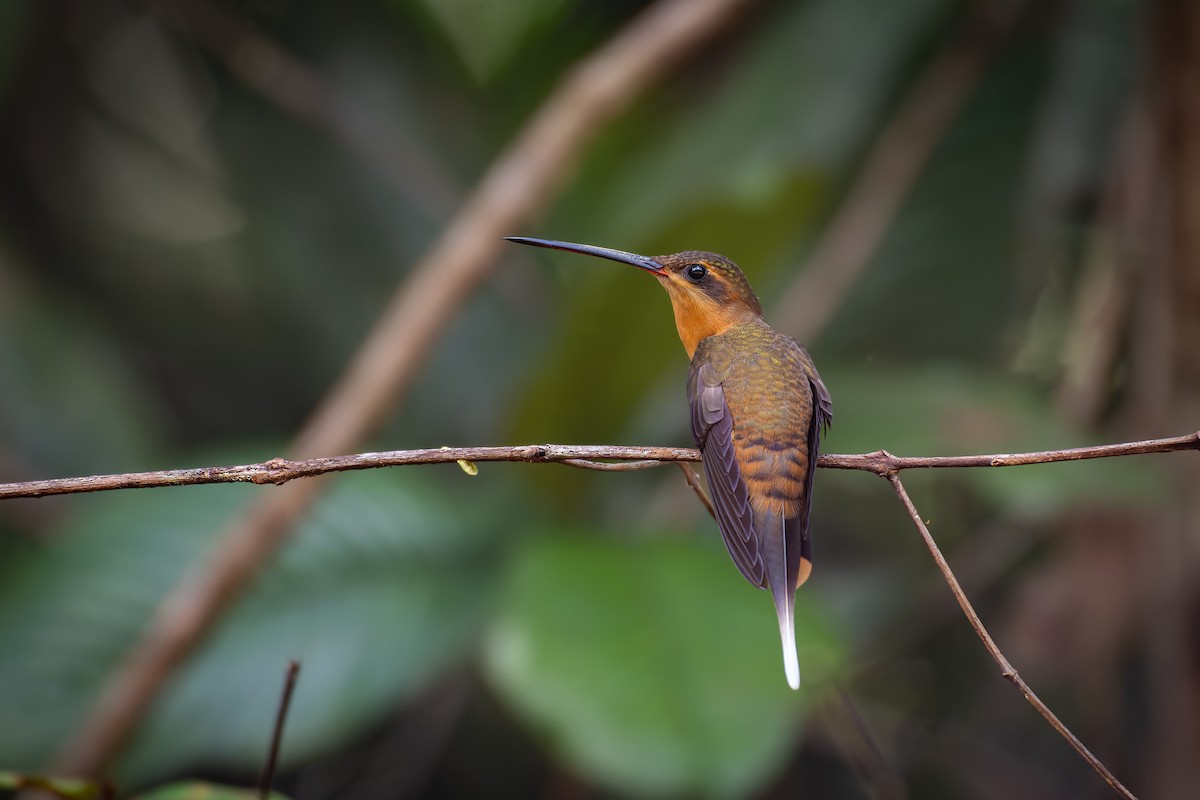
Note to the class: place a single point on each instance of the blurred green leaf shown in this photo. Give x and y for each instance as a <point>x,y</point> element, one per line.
<point>651,666</point>
<point>385,583</point>
<point>75,788</point>
<point>486,34</point>
<point>197,790</point>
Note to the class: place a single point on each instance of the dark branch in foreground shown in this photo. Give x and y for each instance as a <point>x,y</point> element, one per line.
<point>280,470</point>
<point>285,702</point>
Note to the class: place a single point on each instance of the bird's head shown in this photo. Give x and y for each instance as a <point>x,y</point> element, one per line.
<point>708,291</point>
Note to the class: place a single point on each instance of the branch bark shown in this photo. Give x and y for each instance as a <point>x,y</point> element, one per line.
<point>626,458</point>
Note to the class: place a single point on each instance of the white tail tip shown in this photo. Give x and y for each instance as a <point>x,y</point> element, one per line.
<point>792,668</point>
<point>791,663</point>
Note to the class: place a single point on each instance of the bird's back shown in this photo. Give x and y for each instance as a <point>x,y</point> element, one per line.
<point>766,383</point>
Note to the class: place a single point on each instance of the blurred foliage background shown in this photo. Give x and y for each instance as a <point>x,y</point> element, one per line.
<point>205,203</point>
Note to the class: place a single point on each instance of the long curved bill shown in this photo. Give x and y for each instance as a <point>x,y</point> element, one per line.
<point>644,262</point>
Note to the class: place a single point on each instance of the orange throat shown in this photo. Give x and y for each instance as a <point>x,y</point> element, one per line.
<point>697,316</point>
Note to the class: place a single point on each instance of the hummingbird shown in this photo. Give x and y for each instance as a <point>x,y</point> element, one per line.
<point>758,410</point>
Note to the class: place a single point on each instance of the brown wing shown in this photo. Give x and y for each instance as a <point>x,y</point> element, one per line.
<point>712,428</point>
<point>822,416</point>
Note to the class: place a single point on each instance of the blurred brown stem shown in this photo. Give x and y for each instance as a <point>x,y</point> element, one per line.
<point>1104,301</point>
<point>842,721</point>
<point>1006,669</point>
<point>890,170</point>
<point>517,185</point>
<point>301,92</point>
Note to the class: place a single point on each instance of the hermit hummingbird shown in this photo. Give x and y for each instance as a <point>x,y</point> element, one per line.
<point>758,409</point>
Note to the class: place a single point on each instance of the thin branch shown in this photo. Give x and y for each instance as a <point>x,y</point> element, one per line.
<point>285,702</point>
<point>619,466</point>
<point>515,188</point>
<point>281,470</point>
<point>1006,669</point>
<point>982,562</point>
<point>884,463</point>
<point>693,480</point>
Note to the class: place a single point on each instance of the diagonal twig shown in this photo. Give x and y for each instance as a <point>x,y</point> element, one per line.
<point>1006,669</point>
<point>693,481</point>
<point>285,702</point>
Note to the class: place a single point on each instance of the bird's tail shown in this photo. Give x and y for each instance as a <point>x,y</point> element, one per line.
<point>773,526</point>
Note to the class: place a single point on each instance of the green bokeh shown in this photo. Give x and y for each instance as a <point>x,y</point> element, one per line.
<point>648,664</point>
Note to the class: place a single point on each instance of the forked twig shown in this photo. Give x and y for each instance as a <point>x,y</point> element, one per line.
<point>1006,669</point>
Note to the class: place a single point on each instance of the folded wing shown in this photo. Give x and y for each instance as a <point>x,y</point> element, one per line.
<point>712,428</point>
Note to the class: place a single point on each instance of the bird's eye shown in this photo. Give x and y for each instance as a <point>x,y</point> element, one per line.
<point>695,272</point>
